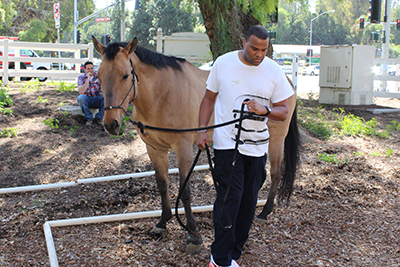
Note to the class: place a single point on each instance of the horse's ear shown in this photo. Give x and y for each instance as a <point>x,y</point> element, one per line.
<point>131,47</point>
<point>98,46</point>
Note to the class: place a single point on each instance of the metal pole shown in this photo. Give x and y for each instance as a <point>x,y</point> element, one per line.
<point>122,21</point>
<point>75,19</point>
<point>59,52</point>
<point>385,43</point>
<point>107,21</point>
<point>311,29</point>
<point>309,56</point>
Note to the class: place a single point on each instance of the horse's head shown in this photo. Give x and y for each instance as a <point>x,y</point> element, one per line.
<point>118,82</point>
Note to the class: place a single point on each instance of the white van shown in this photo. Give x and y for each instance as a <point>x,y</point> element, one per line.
<point>27,65</point>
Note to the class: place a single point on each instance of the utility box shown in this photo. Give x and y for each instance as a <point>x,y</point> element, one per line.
<point>194,47</point>
<point>346,74</point>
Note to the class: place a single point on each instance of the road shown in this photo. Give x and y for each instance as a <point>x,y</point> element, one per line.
<point>307,84</point>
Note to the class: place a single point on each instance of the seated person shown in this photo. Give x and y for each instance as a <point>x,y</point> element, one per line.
<point>91,95</point>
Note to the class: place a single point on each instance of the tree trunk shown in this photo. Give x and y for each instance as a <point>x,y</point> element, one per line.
<point>226,25</point>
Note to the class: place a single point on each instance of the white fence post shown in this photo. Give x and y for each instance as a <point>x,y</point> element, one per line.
<point>90,51</point>
<point>295,70</point>
<point>159,40</point>
<point>5,62</point>
<point>17,65</point>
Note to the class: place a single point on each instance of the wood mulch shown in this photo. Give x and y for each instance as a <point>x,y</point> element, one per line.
<point>345,213</point>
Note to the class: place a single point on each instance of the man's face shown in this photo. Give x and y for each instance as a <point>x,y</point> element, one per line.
<point>255,50</point>
<point>89,69</point>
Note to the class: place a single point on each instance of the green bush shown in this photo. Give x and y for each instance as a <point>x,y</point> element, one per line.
<point>5,100</point>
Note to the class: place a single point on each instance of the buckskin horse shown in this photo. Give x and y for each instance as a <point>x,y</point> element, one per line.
<point>166,92</point>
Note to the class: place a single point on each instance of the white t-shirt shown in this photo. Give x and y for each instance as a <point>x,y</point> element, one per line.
<point>234,82</point>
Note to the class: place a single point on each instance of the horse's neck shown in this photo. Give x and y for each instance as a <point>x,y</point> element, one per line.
<point>151,90</point>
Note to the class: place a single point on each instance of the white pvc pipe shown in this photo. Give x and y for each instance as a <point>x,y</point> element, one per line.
<point>51,249</point>
<point>35,187</point>
<point>109,218</point>
<point>90,180</point>
<point>121,217</point>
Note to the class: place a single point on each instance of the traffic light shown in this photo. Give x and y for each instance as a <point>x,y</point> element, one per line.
<point>375,11</point>
<point>308,52</point>
<point>78,36</point>
<point>362,24</point>
<point>108,39</point>
<point>398,24</point>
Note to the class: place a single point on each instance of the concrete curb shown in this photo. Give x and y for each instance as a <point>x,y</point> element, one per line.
<point>76,110</point>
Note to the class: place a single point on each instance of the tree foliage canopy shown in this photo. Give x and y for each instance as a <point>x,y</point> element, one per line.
<point>33,20</point>
<point>225,22</point>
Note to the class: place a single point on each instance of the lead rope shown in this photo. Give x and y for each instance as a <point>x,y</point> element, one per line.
<point>222,208</point>
<point>141,126</point>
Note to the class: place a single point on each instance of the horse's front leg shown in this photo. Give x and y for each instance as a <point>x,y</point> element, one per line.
<point>184,158</point>
<point>159,158</point>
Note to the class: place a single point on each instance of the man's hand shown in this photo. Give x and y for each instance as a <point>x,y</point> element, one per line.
<point>202,140</point>
<point>254,107</point>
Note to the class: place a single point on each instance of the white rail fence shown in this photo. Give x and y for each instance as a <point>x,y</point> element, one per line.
<point>384,91</point>
<point>6,46</point>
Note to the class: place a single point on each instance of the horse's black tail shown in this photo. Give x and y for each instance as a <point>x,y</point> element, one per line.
<point>291,159</point>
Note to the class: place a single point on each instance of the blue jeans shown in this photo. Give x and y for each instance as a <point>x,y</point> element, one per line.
<point>240,205</point>
<point>94,102</point>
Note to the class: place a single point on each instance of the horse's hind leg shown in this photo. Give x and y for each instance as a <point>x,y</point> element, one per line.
<point>160,164</point>
<point>269,206</point>
<point>275,155</point>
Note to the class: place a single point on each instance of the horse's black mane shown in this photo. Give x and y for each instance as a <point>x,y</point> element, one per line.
<point>146,56</point>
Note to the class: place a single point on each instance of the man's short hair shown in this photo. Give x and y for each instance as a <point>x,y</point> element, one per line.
<point>258,31</point>
<point>87,63</point>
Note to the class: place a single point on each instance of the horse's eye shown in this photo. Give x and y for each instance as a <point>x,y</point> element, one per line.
<point>125,77</point>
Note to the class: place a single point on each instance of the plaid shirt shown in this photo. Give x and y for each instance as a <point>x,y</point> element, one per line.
<point>94,88</point>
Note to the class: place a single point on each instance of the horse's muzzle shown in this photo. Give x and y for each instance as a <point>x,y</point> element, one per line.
<point>113,127</point>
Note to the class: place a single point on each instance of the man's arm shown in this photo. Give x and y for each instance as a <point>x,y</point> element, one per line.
<point>82,88</point>
<point>206,110</point>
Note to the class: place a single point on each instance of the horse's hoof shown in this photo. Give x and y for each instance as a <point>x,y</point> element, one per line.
<point>260,220</point>
<point>193,242</point>
<point>158,231</point>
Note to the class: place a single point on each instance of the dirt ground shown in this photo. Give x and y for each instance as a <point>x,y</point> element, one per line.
<point>345,213</point>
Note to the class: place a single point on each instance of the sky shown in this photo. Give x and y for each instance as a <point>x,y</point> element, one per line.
<point>130,5</point>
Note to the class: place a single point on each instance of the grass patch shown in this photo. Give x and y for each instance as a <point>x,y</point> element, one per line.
<point>9,132</point>
<point>325,124</point>
<point>63,86</point>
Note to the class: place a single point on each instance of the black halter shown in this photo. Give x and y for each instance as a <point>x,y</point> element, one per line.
<point>134,76</point>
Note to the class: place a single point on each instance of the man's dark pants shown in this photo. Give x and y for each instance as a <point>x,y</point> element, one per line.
<point>248,177</point>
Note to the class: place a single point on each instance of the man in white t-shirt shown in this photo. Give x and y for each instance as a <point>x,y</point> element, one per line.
<point>245,76</point>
